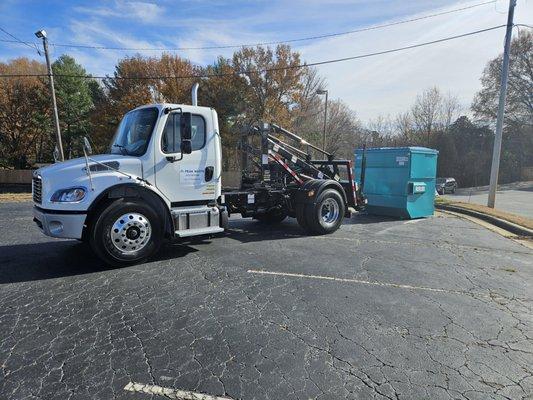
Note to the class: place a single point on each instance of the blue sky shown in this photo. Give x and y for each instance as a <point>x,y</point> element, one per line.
<point>376,86</point>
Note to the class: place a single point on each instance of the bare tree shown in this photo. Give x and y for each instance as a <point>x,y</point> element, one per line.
<point>309,100</point>
<point>308,114</point>
<point>382,124</point>
<point>343,133</point>
<point>426,111</point>
<point>404,126</point>
<point>450,110</point>
<point>433,110</point>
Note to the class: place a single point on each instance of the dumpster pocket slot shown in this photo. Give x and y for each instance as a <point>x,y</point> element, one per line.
<point>417,187</point>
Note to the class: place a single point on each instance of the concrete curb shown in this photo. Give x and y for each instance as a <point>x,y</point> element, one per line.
<point>501,223</point>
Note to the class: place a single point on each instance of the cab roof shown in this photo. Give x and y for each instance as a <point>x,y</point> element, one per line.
<point>162,106</point>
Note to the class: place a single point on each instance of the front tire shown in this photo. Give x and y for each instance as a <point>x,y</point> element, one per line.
<point>126,232</point>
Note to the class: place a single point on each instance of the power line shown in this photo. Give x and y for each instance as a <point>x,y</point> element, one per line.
<point>244,72</point>
<point>17,40</point>
<point>232,46</point>
<point>282,41</point>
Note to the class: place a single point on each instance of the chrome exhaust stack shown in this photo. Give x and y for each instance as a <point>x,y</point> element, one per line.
<point>194,94</point>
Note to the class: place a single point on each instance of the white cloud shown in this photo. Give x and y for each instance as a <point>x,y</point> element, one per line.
<point>385,84</point>
<point>147,12</point>
<point>388,84</point>
<point>144,12</point>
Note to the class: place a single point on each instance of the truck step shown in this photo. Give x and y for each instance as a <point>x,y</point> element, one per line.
<point>198,231</point>
<point>192,221</point>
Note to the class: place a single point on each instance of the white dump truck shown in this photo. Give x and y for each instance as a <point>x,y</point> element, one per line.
<point>162,180</point>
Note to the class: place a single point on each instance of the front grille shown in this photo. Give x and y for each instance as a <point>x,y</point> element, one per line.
<point>37,189</point>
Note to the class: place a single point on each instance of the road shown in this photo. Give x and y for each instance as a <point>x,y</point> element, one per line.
<point>513,198</point>
<point>436,308</point>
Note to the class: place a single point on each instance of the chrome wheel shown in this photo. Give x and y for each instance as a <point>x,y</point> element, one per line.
<point>131,232</point>
<point>329,212</point>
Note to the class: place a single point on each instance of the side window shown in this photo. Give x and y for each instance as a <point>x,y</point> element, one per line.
<point>198,132</point>
<point>171,140</point>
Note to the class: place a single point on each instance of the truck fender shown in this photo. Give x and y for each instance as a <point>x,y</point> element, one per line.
<point>311,189</point>
<point>131,191</point>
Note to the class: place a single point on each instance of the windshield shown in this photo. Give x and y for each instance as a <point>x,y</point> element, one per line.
<point>441,180</point>
<point>134,131</point>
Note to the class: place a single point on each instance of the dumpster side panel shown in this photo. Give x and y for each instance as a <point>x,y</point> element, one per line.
<point>399,181</point>
<point>387,171</point>
<point>423,171</point>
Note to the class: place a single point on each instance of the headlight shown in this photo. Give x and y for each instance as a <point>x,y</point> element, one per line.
<point>69,195</point>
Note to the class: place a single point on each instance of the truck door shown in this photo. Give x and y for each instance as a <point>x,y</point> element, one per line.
<point>186,179</point>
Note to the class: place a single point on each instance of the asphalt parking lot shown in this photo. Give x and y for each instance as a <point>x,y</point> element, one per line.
<point>429,309</point>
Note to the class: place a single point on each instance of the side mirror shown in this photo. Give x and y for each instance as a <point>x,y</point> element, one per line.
<point>186,146</point>
<point>56,154</point>
<point>87,145</point>
<point>186,126</point>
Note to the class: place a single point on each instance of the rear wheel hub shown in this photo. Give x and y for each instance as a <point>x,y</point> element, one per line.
<point>329,212</point>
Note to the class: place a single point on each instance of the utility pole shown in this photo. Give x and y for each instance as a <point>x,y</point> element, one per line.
<point>323,91</point>
<point>42,35</point>
<point>496,152</point>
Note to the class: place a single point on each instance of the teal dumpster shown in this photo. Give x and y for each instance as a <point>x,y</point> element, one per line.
<point>398,181</point>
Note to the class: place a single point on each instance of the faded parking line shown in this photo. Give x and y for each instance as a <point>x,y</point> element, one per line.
<point>386,230</point>
<point>170,393</point>
<point>359,281</point>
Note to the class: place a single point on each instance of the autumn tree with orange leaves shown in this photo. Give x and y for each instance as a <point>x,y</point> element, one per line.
<point>24,114</point>
<point>259,84</point>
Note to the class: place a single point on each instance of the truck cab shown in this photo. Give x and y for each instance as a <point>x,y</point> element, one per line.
<point>162,179</point>
<point>146,167</point>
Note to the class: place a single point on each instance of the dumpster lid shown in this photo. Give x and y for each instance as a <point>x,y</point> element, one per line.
<point>411,149</point>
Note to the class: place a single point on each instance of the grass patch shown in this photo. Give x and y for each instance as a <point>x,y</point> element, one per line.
<point>515,219</point>
<point>15,197</point>
<point>442,200</point>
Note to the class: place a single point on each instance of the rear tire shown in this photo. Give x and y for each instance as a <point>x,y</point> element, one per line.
<point>126,232</point>
<point>301,216</point>
<point>326,215</point>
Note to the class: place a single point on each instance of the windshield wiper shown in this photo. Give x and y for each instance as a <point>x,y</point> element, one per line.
<point>123,150</point>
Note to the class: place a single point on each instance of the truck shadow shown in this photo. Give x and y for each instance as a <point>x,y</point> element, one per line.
<point>57,259</point>
<point>247,230</point>
<point>365,219</point>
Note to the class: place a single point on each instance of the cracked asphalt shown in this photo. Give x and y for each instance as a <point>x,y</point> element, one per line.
<point>196,319</point>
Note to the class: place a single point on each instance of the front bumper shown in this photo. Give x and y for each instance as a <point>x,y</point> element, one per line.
<point>59,225</point>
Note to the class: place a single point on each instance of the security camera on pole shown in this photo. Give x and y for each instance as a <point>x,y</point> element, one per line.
<point>42,35</point>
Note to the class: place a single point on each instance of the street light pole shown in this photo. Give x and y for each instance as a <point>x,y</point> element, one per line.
<point>496,152</point>
<point>323,91</point>
<point>42,35</point>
